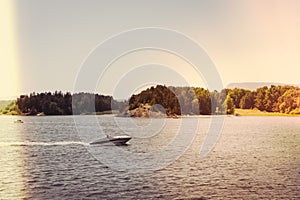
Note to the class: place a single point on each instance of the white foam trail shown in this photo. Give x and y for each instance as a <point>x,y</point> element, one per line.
<point>42,143</point>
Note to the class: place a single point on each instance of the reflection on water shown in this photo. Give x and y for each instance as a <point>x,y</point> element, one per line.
<point>12,184</point>
<point>255,158</point>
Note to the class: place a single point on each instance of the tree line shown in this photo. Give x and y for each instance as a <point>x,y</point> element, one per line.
<point>59,103</point>
<point>175,100</point>
<point>195,100</point>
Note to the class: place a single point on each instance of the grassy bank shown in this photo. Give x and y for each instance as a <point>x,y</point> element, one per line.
<point>255,112</point>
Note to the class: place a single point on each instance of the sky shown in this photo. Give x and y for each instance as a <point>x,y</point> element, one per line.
<point>44,45</point>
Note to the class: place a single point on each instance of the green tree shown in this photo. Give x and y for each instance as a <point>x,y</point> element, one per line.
<point>247,101</point>
<point>237,94</point>
<point>289,101</point>
<point>259,101</point>
<point>228,105</point>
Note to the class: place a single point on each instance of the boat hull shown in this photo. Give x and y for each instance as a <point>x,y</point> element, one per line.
<point>117,140</point>
<point>120,141</point>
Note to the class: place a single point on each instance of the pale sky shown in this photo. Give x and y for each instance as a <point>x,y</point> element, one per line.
<point>43,44</point>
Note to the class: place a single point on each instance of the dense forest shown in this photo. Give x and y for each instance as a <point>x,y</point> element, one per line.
<point>175,100</point>
<point>59,103</point>
<point>191,100</point>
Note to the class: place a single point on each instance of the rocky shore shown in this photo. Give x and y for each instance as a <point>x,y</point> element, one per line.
<point>145,111</point>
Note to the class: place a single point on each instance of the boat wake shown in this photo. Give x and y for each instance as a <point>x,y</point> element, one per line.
<point>43,143</point>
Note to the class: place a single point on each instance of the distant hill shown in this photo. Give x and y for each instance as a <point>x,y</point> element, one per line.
<point>255,85</point>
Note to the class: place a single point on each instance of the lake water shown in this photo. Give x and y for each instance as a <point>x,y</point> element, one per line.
<point>46,158</point>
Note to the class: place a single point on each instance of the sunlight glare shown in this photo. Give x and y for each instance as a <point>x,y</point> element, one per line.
<point>9,87</point>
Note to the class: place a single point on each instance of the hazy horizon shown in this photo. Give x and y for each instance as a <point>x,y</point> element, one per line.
<point>243,85</point>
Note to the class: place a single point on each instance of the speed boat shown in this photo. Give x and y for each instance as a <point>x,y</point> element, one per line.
<point>117,140</point>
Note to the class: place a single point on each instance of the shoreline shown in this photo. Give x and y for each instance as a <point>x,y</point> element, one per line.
<point>238,113</point>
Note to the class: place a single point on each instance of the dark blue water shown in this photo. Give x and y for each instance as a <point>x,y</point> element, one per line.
<point>255,158</point>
